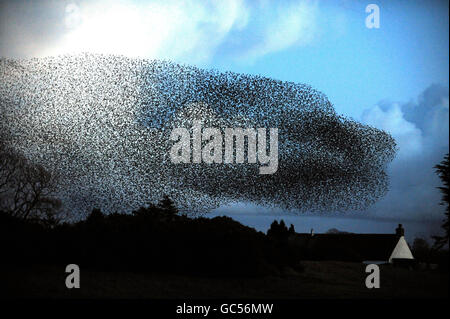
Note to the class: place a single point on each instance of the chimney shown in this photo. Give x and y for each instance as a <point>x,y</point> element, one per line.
<point>400,231</point>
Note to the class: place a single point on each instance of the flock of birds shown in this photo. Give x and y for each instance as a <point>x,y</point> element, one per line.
<point>101,124</point>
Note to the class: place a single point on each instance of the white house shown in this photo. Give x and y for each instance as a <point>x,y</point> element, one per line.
<point>366,248</point>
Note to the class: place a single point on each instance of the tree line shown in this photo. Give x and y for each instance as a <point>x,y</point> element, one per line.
<point>155,237</point>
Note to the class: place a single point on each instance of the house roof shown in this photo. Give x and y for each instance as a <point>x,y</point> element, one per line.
<point>351,247</point>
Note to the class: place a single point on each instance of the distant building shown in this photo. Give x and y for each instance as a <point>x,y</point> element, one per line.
<point>366,248</point>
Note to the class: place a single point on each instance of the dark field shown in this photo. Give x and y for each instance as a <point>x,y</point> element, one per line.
<point>319,280</point>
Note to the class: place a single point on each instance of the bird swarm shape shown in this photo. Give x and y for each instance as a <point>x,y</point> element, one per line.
<point>101,123</point>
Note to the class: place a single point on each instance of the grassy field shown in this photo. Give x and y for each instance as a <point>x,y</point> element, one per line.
<point>319,280</point>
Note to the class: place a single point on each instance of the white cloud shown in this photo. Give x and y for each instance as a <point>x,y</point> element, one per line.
<point>421,130</point>
<point>166,29</point>
<point>290,26</point>
<point>407,135</point>
<point>186,31</point>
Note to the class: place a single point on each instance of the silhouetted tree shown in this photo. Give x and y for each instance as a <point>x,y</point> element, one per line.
<point>278,230</point>
<point>95,217</point>
<point>292,229</point>
<point>50,220</point>
<point>443,172</point>
<point>151,211</point>
<point>168,206</point>
<point>421,249</point>
<point>26,189</point>
<point>273,229</point>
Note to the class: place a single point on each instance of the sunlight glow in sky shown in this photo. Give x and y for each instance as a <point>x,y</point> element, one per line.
<point>116,29</point>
